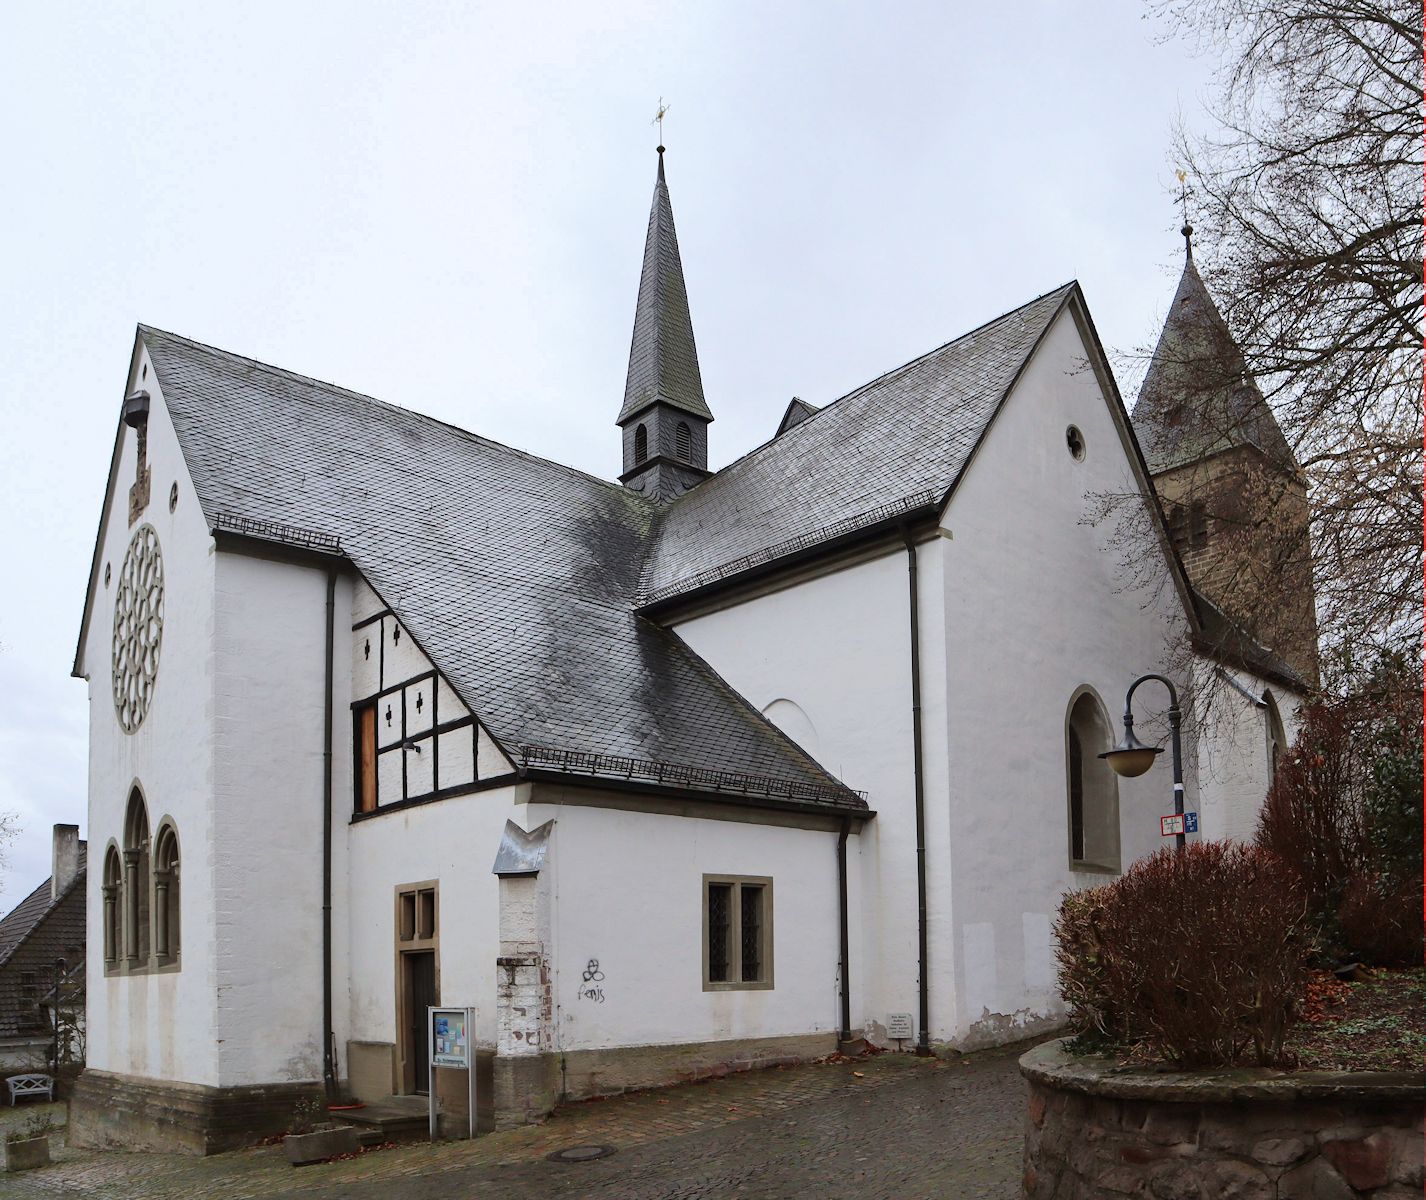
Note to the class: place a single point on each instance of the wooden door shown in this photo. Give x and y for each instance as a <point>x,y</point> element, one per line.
<point>420,970</point>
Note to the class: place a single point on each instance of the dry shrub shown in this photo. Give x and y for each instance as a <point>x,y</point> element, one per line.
<point>1197,955</point>
<point>1080,954</point>
<point>1381,921</point>
<point>1315,815</point>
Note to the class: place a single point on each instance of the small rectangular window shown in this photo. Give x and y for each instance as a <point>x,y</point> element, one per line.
<point>737,932</point>
<point>416,916</point>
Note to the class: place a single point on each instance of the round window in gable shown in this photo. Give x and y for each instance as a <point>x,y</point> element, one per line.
<point>173,496</point>
<point>1074,440</point>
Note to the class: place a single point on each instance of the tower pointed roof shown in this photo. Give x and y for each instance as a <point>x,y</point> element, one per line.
<point>1198,397</point>
<point>663,360</point>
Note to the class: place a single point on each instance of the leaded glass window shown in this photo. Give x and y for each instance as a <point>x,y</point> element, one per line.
<point>737,932</point>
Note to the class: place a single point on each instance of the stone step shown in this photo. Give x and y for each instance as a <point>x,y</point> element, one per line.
<point>389,1119</point>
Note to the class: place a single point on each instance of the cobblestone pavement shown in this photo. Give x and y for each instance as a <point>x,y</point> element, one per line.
<point>889,1126</point>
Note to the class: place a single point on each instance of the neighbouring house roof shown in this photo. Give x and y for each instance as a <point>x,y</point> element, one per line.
<point>1198,397</point>
<point>35,933</point>
<point>895,444</point>
<point>515,574</point>
<point>523,579</point>
<point>663,360</point>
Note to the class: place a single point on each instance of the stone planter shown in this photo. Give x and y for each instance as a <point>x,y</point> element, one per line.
<point>320,1145</point>
<point>26,1155</point>
<point>1095,1129</point>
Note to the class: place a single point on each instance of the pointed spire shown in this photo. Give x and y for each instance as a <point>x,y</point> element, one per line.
<point>663,360</point>
<point>1198,396</point>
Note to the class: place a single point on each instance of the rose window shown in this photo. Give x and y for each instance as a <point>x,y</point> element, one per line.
<point>138,628</point>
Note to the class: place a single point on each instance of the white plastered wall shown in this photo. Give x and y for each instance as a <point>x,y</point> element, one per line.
<point>627,896</point>
<point>1234,751</point>
<point>159,1025</point>
<point>1038,604</point>
<point>269,697</point>
<point>452,842</point>
<point>829,659</point>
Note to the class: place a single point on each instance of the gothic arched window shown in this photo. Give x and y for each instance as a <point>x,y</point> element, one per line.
<point>683,442</point>
<point>113,914</point>
<point>1277,736</point>
<point>641,444</point>
<point>167,923</point>
<point>136,881</point>
<point>1093,792</point>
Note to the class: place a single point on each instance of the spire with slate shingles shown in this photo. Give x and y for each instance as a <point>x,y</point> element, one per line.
<point>663,394</point>
<point>1230,486</point>
<point>1198,397</point>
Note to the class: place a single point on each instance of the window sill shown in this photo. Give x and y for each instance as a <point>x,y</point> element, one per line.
<point>737,987</point>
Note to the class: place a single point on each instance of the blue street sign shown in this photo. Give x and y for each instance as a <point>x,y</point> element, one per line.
<point>1190,822</point>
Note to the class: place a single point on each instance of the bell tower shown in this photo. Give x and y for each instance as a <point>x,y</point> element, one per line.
<point>664,417</point>
<point>1232,490</point>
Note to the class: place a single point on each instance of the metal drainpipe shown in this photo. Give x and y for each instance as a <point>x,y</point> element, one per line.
<point>923,1042</point>
<point>846,1034</point>
<point>329,1064</point>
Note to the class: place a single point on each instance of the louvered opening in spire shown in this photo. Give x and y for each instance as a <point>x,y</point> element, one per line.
<point>663,361</point>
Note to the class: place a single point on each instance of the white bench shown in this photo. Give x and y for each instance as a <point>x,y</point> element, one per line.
<point>30,1085</point>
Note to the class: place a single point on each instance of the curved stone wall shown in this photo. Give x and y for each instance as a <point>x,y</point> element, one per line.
<point>1094,1129</point>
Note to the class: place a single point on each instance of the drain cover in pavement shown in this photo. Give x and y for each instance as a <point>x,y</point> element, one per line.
<point>576,1154</point>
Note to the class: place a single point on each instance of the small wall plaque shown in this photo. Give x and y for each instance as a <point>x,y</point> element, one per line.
<point>900,1026</point>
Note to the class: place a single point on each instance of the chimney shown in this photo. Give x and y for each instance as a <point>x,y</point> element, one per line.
<point>66,859</point>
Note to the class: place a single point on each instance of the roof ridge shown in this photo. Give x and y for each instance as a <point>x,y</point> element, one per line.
<point>885,375</point>
<point>312,380</point>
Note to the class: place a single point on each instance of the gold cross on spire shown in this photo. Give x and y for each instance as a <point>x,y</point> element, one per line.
<point>658,119</point>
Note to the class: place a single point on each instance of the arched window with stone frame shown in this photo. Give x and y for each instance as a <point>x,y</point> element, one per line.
<point>167,909</point>
<point>1277,736</point>
<point>136,882</point>
<point>113,892</point>
<point>1093,791</point>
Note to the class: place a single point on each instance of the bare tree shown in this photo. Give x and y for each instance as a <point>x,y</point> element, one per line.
<point>1308,201</point>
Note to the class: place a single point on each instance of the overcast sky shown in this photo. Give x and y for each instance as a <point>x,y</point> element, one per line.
<point>444,205</point>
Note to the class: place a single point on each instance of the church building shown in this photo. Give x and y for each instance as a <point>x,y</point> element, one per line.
<point>684,772</point>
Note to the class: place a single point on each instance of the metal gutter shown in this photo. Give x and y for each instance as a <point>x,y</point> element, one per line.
<point>923,1044</point>
<point>329,1064</point>
<point>844,950</point>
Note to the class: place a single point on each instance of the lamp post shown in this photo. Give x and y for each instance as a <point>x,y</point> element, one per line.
<point>1131,757</point>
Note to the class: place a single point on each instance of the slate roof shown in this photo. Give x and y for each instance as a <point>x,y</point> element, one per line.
<point>32,935</point>
<point>900,441</point>
<point>663,360</point>
<point>798,410</point>
<point>1222,638</point>
<point>522,579</point>
<point>1198,397</point>
<point>515,574</point>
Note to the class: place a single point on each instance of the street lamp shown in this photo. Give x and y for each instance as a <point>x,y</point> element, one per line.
<point>1131,758</point>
